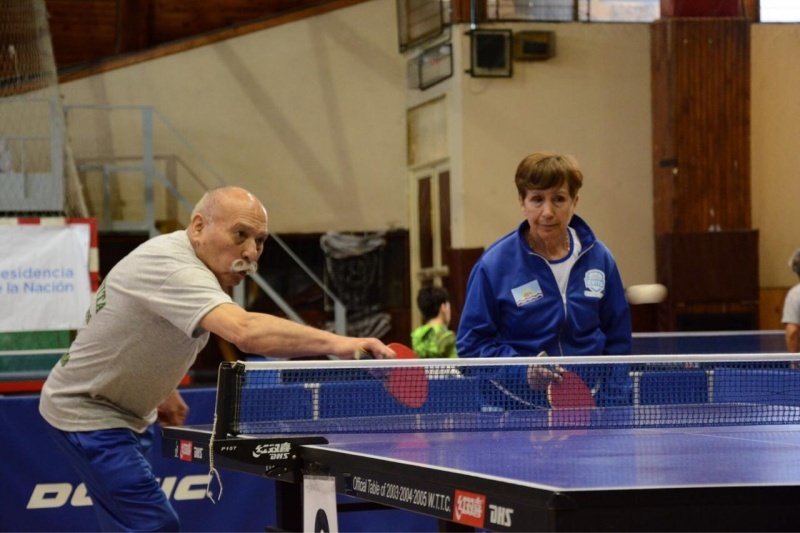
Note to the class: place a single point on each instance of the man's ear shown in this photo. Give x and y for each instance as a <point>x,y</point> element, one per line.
<point>196,225</point>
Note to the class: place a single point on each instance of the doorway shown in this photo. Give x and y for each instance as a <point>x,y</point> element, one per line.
<point>430,237</point>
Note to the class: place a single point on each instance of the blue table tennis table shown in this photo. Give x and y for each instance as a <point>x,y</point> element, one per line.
<point>731,478</point>
<point>710,446</point>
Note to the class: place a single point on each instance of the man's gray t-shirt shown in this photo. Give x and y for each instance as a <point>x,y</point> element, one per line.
<point>791,306</point>
<point>140,338</point>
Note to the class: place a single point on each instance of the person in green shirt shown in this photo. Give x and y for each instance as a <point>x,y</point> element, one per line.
<point>434,338</point>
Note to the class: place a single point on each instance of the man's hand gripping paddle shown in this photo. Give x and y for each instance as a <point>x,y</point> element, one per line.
<point>407,385</point>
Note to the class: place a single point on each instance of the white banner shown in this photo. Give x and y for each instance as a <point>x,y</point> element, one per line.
<point>44,277</point>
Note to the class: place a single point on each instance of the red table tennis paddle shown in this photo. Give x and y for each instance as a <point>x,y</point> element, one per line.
<point>407,385</point>
<point>570,392</point>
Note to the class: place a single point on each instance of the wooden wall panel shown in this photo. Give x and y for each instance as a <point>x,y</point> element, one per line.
<point>424,223</point>
<point>709,275</point>
<point>445,231</point>
<point>188,17</point>
<point>701,125</point>
<point>90,31</point>
<point>664,159</point>
<point>706,253</point>
<point>709,267</point>
<point>82,31</point>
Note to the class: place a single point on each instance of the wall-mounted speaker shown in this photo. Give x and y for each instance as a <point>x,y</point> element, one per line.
<point>534,45</point>
<point>491,53</point>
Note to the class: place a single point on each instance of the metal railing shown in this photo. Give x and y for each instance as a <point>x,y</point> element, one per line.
<point>180,174</point>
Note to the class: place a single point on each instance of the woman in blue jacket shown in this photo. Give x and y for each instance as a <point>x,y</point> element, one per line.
<point>549,286</point>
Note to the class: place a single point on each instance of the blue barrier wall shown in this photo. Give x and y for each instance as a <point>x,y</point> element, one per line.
<point>41,492</point>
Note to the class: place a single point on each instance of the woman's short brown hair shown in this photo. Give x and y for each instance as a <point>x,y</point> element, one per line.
<point>546,170</point>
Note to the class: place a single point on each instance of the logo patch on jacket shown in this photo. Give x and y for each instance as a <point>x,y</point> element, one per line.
<point>525,294</point>
<point>595,281</point>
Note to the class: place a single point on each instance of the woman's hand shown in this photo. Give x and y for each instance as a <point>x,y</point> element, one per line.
<point>541,376</point>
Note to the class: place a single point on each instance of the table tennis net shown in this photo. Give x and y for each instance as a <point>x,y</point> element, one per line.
<point>319,397</point>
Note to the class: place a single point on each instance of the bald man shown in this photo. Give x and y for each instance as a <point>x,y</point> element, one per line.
<point>151,315</point>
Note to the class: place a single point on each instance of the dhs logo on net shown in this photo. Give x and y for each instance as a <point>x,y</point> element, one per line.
<point>499,515</point>
<point>276,451</point>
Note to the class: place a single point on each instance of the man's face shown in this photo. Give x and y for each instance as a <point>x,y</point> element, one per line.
<point>231,243</point>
